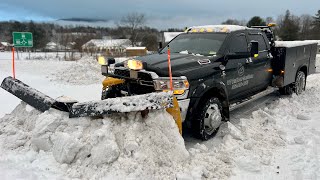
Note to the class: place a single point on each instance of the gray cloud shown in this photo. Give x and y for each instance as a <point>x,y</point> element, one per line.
<point>170,12</point>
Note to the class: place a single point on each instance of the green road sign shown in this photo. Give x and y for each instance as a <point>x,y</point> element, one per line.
<point>22,39</point>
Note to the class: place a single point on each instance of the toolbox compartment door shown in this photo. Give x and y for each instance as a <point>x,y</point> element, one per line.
<point>290,59</point>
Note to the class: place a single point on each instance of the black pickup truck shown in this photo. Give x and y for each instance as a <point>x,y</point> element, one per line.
<point>216,69</point>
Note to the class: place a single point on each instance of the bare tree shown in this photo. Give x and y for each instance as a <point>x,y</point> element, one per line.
<point>133,21</point>
<point>235,22</point>
<point>269,20</point>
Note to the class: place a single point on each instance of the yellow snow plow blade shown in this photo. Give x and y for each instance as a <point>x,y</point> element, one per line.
<point>110,81</point>
<point>176,114</point>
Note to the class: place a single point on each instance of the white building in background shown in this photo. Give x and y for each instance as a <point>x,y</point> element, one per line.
<point>5,46</point>
<point>111,47</point>
<point>51,46</point>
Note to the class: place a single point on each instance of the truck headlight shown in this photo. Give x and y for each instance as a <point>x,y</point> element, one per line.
<point>102,60</point>
<point>179,85</point>
<point>133,64</point>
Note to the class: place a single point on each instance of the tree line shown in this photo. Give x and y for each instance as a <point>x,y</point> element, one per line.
<point>289,26</point>
<point>132,26</point>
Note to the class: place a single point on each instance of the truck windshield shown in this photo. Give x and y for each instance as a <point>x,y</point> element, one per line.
<point>205,44</point>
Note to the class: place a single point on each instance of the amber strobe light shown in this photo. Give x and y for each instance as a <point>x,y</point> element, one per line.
<point>134,64</point>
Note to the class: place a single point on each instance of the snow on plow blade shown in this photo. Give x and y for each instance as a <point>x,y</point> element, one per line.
<point>43,102</point>
<point>27,94</point>
<point>143,102</point>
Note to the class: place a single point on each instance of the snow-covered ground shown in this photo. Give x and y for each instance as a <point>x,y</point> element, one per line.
<point>272,138</point>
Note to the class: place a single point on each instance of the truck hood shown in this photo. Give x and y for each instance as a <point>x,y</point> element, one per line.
<point>181,64</point>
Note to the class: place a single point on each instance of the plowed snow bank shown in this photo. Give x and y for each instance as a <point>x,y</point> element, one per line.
<point>82,72</point>
<point>119,146</point>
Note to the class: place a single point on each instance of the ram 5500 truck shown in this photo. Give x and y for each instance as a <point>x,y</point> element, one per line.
<point>216,69</point>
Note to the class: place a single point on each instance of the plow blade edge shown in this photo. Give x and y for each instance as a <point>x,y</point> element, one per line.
<point>42,102</point>
<point>123,104</point>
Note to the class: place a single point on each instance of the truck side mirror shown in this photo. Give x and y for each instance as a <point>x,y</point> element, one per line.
<point>254,48</point>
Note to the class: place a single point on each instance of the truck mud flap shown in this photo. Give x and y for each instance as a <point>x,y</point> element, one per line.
<point>31,96</point>
<point>143,102</point>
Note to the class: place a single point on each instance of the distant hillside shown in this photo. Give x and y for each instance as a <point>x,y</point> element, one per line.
<point>90,20</point>
<point>84,22</point>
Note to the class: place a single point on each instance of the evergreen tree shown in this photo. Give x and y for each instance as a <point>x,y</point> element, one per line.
<point>40,38</point>
<point>316,26</point>
<point>317,17</point>
<point>289,27</point>
<point>256,21</point>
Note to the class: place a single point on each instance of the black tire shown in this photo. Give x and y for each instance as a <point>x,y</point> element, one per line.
<point>297,87</point>
<point>286,90</point>
<point>203,127</point>
<point>300,83</point>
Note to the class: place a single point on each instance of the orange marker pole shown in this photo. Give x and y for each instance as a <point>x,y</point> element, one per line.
<point>169,66</point>
<point>13,68</point>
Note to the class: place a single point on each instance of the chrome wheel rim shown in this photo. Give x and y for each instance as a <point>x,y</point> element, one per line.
<point>212,119</point>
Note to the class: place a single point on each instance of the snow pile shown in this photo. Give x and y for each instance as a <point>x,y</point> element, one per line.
<point>158,100</point>
<point>290,44</point>
<point>82,72</point>
<point>116,146</point>
<point>282,139</point>
<point>44,56</point>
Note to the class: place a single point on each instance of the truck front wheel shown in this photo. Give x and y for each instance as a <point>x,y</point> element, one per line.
<point>208,119</point>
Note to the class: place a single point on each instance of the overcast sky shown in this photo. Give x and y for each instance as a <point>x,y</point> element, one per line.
<point>161,14</point>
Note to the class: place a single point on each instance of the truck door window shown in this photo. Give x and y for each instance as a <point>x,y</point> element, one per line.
<point>238,44</point>
<point>260,39</point>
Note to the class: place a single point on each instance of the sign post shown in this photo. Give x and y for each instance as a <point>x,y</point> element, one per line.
<point>20,39</point>
<point>13,68</point>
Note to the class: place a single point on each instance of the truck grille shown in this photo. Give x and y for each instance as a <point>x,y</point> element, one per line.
<point>126,74</point>
<point>140,89</point>
<point>123,73</point>
<point>143,85</point>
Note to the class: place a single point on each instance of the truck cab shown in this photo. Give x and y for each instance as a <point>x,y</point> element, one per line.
<point>212,67</point>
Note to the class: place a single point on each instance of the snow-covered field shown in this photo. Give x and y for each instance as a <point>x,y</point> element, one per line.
<point>272,138</point>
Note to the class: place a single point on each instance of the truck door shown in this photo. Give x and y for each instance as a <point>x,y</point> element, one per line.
<point>261,65</point>
<point>238,75</point>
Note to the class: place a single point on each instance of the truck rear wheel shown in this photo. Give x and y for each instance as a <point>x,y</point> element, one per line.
<point>208,119</point>
<point>300,84</point>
